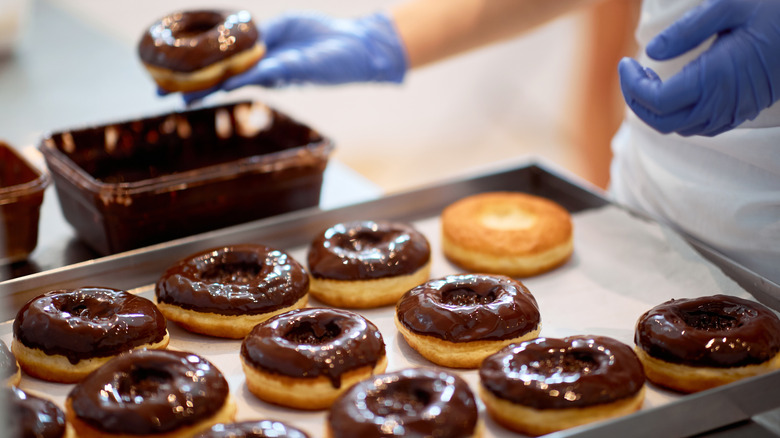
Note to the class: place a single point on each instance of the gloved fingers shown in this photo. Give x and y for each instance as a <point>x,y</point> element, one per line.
<point>162,92</point>
<point>695,27</point>
<point>267,73</point>
<point>195,96</point>
<point>293,27</point>
<point>642,85</point>
<point>664,123</point>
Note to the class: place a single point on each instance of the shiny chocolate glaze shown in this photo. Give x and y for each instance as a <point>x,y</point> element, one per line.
<point>550,373</point>
<point>234,280</point>
<point>88,322</point>
<point>30,416</point>
<point>190,40</point>
<point>8,364</point>
<point>312,342</point>
<point>253,429</point>
<point>148,392</point>
<point>469,307</point>
<point>716,331</point>
<point>413,402</point>
<point>362,250</point>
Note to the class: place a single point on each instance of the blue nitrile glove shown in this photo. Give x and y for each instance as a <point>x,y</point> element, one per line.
<point>729,83</point>
<point>309,47</point>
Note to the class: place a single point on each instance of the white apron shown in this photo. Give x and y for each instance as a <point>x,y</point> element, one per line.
<point>723,190</point>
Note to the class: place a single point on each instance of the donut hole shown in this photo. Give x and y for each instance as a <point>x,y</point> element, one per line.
<point>466,296</point>
<point>232,272</point>
<point>191,28</point>
<point>567,363</point>
<point>143,383</point>
<point>307,332</point>
<point>360,240</point>
<point>87,308</point>
<point>714,316</point>
<point>407,401</point>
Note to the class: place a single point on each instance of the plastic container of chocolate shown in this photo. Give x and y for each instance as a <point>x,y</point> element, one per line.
<point>139,182</point>
<point>21,195</point>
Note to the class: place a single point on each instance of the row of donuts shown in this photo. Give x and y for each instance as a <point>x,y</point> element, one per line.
<point>471,297</point>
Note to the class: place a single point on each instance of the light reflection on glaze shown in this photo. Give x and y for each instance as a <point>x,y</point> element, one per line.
<point>88,322</point>
<point>234,280</point>
<point>31,416</point>
<point>253,429</point>
<point>367,249</point>
<point>488,307</point>
<point>713,331</point>
<point>313,342</point>
<point>550,373</point>
<point>149,391</point>
<point>190,40</point>
<point>411,402</point>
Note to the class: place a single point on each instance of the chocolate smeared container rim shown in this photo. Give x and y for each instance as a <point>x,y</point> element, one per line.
<point>12,193</point>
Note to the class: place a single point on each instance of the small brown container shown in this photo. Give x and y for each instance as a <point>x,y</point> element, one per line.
<point>141,182</point>
<point>21,196</point>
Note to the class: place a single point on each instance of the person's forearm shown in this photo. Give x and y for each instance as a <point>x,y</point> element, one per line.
<point>435,29</point>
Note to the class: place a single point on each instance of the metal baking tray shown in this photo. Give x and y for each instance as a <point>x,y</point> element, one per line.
<point>680,416</point>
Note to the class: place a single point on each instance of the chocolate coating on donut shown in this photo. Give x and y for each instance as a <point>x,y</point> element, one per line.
<point>469,307</point>
<point>312,342</point>
<point>363,250</point>
<point>253,429</point>
<point>29,416</point>
<point>8,365</point>
<point>716,331</point>
<point>190,40</point>
<point>412,402</point>
<point>234,280</point>
<point>550,373</point>
<point>149,391</point>
<point>88,322</point>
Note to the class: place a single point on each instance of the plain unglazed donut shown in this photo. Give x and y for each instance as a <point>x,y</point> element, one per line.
<point>695,344</point>
<point>507,233</point>
<point>195,50</point>
<point>363,264</point>
<point>64,335</point>
<point>459,320</point>
<point>549,384</point>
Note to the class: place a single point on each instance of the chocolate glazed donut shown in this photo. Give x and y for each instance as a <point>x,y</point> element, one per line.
<point>234,280</point>
<point>412,402</point>
<point>718,331</point>
<point>30,416</point>
<point>550,373</point>
<point>88,322</point>
<point>149,392</point>
<point>253,429</point>
<point>362,250</point>
<point>190,40</point>
<point>314,342</point>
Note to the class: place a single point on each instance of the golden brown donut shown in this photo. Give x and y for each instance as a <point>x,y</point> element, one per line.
<point>196,50</point>
<point>226,291</point>
<point>305,358</point>
<point>507,233</point>
<point>547,384</point>
<point>695,344</point>
<point>63,335</point>
<point>362,264</point>
<point>459,320</point>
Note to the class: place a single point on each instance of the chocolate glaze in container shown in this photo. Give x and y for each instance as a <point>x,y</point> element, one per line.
<point>361,250</point>
<point>253,429</point>
<point>186,41</point>
<point>312,342</point>
<point>234,280</point>
<point>469,307</point>
<point>550,373</point>
<point>145,181</point>
<point>88,322</point>
<point>717,331</point>
<point>413,402</point>
<point>21,195</point>
<point>31,416</point>
<point>148,392</point>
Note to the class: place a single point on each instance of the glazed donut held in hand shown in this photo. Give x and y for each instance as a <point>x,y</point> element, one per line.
<point>64,335</point>
<point>195,50</point>
<point>695,344</point>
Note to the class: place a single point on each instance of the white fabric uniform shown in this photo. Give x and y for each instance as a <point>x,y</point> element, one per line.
<point>723,190</point>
